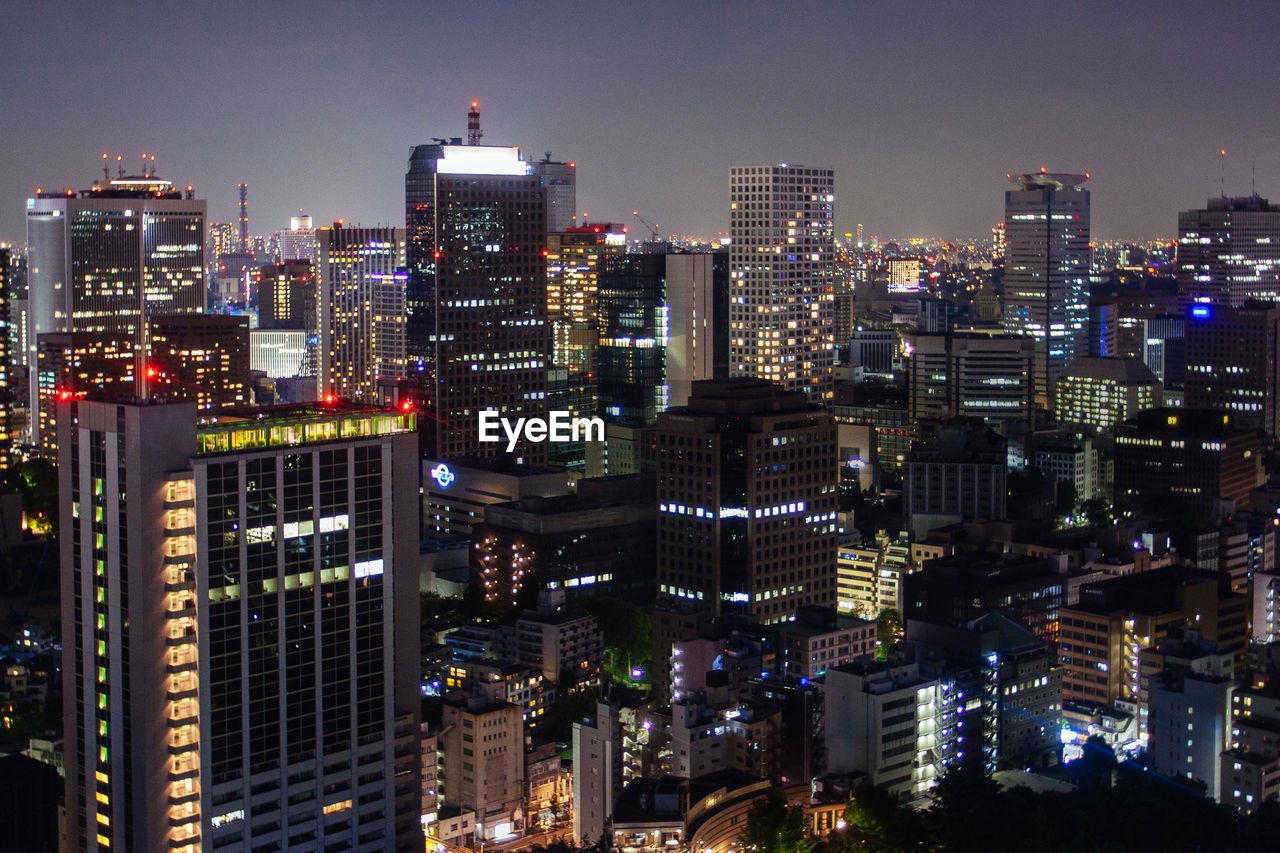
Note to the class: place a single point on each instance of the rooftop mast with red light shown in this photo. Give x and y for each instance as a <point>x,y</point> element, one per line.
<point>473,124</point>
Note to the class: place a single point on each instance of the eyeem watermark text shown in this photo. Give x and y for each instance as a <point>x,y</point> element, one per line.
<point>559,427</point>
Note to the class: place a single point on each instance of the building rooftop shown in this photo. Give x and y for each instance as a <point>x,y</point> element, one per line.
<point>284,426</point>
<point>1045,180</point>
<point>1254,203</point>
<point>1123,370</point>
<point>743,397</point>
<point>1200,423</point>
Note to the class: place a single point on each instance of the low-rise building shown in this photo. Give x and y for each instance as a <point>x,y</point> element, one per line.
<point>567,646</point>
<point>707,736</point>
<point>504,681</point>
<point>891,723</point>
<point>1189,726</point>
<point>819,640</point>
<point>482,765</point>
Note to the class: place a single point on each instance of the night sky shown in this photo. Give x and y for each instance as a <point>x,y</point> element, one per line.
<point>921,109</point>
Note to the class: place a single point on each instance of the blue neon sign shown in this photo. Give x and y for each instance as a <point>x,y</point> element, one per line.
<point>442,475</point>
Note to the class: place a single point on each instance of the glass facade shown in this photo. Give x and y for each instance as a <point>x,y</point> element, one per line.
<point>634,328</point>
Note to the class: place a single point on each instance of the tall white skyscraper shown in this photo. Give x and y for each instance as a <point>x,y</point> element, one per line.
<point>1046,271</point>
<point>362,309</point>
<point>782,277</point>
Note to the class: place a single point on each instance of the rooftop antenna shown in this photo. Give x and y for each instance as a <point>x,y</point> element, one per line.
<point>473,124</point>
<point>120,165</point>
<point>144,164</point>
<point>106,170</point>
<point>1222,179</point>
<point>153,165</point>
<point>1253,178</point>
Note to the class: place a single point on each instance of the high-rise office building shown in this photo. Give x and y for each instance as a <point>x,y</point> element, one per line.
<point>361,294</point>
<point>1165,457</point>
<point>69,366</point>
<point>1229,251</point>
<point>1165,349</point>
<point>203,357</point>
<point>904,276</point>
<point>299,242</point>
<point>971,375</point>
<point>782,276</point>
<point>221,240</point>
<point>561,183</point>
<point>104,259</point>
<point>663,322</point>
<point>18,317</point>
<point>633,321</point>
<point>493,341</point>
<point>1117,323</point>
<point>286,296</point>
<point>281,353</point>
<point>1095,394</point>
<point>240,611</point>
<point>1233,363</point>
<point>747,486</point>
<point>1046,271</point>
<point>288,313</point>
<point>956,472</point>
<point>574,258</point>
<point>420,259</point>
<point>698,321</point>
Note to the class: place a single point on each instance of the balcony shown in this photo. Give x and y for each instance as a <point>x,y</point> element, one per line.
<point>180,580</point>
<point>188,841</point>
<point>175,693</point>
<point>182,799</point>
<point>187,637</point>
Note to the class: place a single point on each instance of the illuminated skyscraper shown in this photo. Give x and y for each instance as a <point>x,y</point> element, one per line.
<point>782,288</point>
<point>203,358</point>
<point>362,310</point>
<point>904,275</point>
<point>634,327</point>
<point>1233,363</point>
<point>240,645</point>
<point>493,341</point>
<point>573,266</point>
<point>420,259</point>
<point>286,296</point>
<point>221,240</point>
<point>104,259</point>
<point>1046,271</point>
<point>1229,251</point>
<point>736,535</point>
<point>299,242</point>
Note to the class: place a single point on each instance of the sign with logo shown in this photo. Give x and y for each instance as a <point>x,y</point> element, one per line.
<point>443,476</point>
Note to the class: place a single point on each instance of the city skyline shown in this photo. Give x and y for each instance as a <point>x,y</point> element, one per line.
<point>912,107</point>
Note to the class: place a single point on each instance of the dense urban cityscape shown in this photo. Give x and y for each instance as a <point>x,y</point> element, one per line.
<point>509,526</point>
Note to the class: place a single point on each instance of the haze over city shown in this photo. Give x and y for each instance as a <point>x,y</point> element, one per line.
<point>920,109</point>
